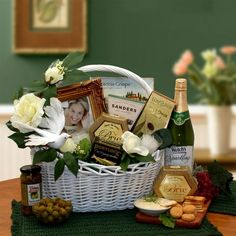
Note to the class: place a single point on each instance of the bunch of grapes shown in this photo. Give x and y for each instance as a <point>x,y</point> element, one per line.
<point>205,186</point>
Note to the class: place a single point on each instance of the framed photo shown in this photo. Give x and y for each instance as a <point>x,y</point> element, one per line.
<point>83,103</point>
<point>50,26</point>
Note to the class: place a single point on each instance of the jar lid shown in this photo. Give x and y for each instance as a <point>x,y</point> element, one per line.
<point>30,168</point>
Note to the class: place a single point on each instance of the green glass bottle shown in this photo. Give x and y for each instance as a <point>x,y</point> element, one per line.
<point>180,125</point>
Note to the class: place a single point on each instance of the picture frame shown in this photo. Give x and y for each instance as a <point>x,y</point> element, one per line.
<point>90,90</point>
<point>49,26</point>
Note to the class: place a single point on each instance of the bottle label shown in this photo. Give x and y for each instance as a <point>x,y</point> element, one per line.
<point>179,156</point>
<point>180,118</point>
<point>31,194</point>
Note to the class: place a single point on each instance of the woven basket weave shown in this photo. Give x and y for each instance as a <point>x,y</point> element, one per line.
<point>98,187</point>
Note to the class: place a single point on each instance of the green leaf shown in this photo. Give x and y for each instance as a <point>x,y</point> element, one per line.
<point>73,59</point>
<point>9,125</point>
<point>71,163</point>
<point>50,92</point>
<point>85,144</point>
<point>164,137</point>
<point>18,94</point>
<point>74,76</point>
<point>37,84</point>
<point>220,177</point>
<point>19,139</point>
<point>125,161</point>
<point>141,158</point>
<point>59,168</point>
<point>167,220</point>
<point>83,149</point>
<point>46,155</point>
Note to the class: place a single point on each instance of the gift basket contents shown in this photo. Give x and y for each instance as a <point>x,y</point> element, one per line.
<point>101,148</point>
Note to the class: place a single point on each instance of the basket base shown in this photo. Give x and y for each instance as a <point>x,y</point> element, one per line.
<point>101,190</point>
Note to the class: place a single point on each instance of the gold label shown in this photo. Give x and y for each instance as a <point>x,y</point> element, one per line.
<point>109,132</point>
<point>174,187</point>
<point>31,194</point>
<point>155,115</point>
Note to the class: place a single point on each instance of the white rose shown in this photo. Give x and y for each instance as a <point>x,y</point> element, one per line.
<point>68,146</point>
<point>54,74</point>
<point>150,143</point>
<point>132,144</point>
<point>28,110</point>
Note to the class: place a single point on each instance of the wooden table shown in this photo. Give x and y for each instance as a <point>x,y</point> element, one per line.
<point>10,190</point>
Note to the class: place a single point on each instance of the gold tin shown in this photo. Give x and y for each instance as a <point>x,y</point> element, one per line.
<point>174,183</point>
<point>108,128</point>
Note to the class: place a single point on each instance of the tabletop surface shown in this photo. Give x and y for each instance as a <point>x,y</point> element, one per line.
<point>10,189</point>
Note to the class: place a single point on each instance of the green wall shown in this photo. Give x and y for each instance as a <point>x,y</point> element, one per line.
<point>144,36</point>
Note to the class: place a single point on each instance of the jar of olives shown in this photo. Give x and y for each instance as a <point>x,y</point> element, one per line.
<point>31,187</point>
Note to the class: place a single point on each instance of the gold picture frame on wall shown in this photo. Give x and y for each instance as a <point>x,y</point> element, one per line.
<point>49,26</point>
<point>90,91</point>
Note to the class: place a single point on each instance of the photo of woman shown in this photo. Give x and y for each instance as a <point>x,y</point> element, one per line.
<point>77,119</point>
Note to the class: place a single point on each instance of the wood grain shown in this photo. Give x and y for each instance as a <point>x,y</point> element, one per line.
<point>9,190</point>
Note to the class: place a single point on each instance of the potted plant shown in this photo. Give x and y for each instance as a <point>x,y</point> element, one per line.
<point>215,81</point>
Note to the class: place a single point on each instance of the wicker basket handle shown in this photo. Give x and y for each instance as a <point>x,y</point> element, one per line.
<point>118,70</point>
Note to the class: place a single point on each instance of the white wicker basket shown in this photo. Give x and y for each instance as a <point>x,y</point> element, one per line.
<point>98,187</point>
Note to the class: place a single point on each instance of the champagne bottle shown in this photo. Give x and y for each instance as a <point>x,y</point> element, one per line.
<point>180,125</point>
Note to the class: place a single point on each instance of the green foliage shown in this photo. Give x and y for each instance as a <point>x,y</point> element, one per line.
<point>214,79</point>
<point>71,76</point>
<point>59,168</point>
<point>73,60</point>
<point>49,92</point>
<point>71,163</point>
<point>19,138</point>
<point>9,125</point>
<point>164,137</point>
<point>45,155</point>
<point>36,85</point>
<point>74,76</point>
<point>167,220</point>
<point>127,159</point>
<point>83,149</point>
<point>220,177</point>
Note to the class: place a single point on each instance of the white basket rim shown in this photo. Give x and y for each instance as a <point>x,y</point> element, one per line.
<point>86,167</point>
<point>118,70</point>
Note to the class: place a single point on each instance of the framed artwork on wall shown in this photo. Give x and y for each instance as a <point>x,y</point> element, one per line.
<point>49,26</point>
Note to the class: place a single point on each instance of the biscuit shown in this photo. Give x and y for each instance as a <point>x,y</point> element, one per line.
<point>176,212</point>
<point>177,205</point>
<point>189,209</point>
<point>188,217</point>
<point>195,198</point>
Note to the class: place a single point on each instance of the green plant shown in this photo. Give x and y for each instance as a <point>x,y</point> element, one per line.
<point>35,106</point>
<point>215,80</point>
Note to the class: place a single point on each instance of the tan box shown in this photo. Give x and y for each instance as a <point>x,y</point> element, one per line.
<point>108,128</point>
<point>174,183</point>
<point>127,108</point>
<point>155,115</point>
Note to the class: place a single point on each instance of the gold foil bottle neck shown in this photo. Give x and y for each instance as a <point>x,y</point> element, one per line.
<point>181,84</point>
<point>181,95</point>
